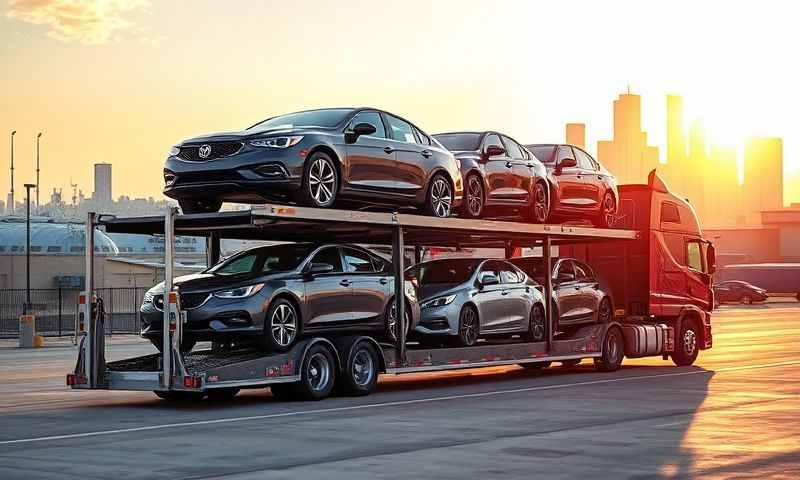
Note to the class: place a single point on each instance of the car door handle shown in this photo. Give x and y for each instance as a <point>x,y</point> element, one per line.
<point>505,292</point>
<point>345,283</point>
<point>531,165</point>
<point>388,149</point>
<point>600,177</point>
<point>577,287</point>
<point>384,281</point>
<point>578,177</point>
<point>426,153</point>
<point>509,164</point>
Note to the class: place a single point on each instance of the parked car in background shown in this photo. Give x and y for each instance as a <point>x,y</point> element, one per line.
<point>317,158</point>
<point>462,299</point>
<point>579,298</point>
<point>579,186</point>
<point>779,279</point>
<point>739,292</point>
<point>500,175</point>
<point>277,294</point>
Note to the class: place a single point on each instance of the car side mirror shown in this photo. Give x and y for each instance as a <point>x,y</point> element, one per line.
<point>317,268</point>
<point>566,163</point>
<point>488,278</point>
<point>711,259</point>
<point>359,129</point>
<point>565,277</point>
<point>494,151</point>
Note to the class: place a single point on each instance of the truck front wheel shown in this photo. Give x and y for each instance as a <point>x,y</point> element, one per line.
<point>686,345</point>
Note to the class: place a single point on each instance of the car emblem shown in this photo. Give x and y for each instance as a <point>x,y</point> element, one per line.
<point>205,151</point>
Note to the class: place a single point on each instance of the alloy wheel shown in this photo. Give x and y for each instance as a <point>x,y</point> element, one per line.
<point>541,207</point>
<point>474,196</point>
<point>441,197</point>
<point>537,324</point>
<point>608,210</point>
<point>322,182</point>
<point>604,313</point>
<point>283,325</point>
<point>468,326</point>
<point>391,321</point>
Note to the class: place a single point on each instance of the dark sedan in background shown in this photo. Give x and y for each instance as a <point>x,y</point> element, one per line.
<point>277,294</point>
<point>500,175</point>
<point>739,292</point>
<point>317,158</point>
<point>579,296</point>
<point>579,186</point>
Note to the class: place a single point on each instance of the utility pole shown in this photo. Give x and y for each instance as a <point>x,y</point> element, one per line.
<point>11,207</point>
<point>37,171</point>
<point>28,187</point>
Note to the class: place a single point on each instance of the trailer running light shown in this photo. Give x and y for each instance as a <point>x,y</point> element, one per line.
<point>193,381</point>
<point>82,299</point>
<point>81,323</point>
<point>73,379</point>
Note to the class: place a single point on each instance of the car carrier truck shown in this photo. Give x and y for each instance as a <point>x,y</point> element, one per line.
<point>654,298</point>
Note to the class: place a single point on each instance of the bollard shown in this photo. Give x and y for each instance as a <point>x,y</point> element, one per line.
<point>27,330</point>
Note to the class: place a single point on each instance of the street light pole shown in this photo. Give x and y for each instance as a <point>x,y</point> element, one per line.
<point>28,187</point>
<point>37,171</point>
<point>11,207</point>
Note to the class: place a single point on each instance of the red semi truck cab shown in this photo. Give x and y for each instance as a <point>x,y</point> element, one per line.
<point>665,275</point>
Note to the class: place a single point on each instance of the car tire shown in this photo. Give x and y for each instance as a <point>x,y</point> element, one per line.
<point>687,343</point>
<point>439,202</point>
<point>390,323</point>
<point>605,311</point>
<point>474,197</point>
<point>535,365</point>
<point>359,376</point>
<point>608,209</point>
<point>746,299</point>
<point>468,327</point>
<point>282,326</point>
<point>613,351</point>
<point>320,184</point>
<point>199,206</point>
<point>317,374</point>
<point>537,325</point>
<point>187,344</point>
<point>222,394</point>
<point>539,209</point>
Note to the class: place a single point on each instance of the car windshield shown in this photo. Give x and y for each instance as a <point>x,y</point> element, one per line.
<point>275,258</point>
<point>533,266</point>
<point>459,141</point>
<point>543,152</point>
<point>450,271</point>
<point>329,117</point>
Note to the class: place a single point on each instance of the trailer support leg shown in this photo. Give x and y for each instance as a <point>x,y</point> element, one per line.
<point>89,319</point>
<point>166,355</point>
<point>398,259</point>
<point>548,290</point>
<point>213,252</point>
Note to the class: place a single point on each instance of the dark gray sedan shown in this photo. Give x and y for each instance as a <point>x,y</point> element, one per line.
<point>277,294</point>
<point>462,299</point>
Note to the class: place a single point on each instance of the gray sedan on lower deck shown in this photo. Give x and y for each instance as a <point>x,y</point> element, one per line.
<point>462,299</point>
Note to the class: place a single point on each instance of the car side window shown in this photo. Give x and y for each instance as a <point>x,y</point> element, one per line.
<point>694,256</point>
<point>243,264</point>
<point>400,130</point>
<point>564,151</point>
<point>670,213</point>
<point>512,148</point>
<point>492,139</point>
<point>329,255</point>
<point>509,274</point>
<point>358,262</point>
<point>582,271</point>
<point>565,271</point>
<point>423,139</point>
<point>584,160</point>
<point>374,119</point>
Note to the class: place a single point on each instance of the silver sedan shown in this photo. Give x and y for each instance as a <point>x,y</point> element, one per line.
<point>462,299</point>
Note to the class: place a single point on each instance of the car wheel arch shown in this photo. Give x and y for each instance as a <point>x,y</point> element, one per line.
<point>291,298</point>
<point>474,306</point>
<point>329,151</point>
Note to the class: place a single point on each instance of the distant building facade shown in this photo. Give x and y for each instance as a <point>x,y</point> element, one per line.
<point>576,134</point>
<point>627,155</point>
<point>102,183</point>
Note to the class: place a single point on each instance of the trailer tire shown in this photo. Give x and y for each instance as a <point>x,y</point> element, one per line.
<point>687,343</point>
<point>613,351</point>
<point>359,377</point>
<point>317,374</point>
<point>179,396</point>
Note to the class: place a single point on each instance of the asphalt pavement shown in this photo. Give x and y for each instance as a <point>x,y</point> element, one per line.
<point>732,415</point>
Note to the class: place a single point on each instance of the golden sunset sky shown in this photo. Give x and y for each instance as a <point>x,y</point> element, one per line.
<point>121,81</point>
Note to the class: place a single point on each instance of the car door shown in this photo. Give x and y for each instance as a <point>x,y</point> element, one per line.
<point>520,178</point>
<point>567,293</point>
<point>369,286</point>
<point>590,293</point>
<point>371,162</point>
<point>489,299</point>
<point>412,165</point>
<point>329,296</point>
<point>570,188</point>
<point>516,306</point>
<point>497,170</point>
<point>590,178</point>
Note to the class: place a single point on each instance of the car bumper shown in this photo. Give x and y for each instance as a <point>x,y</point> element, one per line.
<point>214,319</point>
<point>439,321</point>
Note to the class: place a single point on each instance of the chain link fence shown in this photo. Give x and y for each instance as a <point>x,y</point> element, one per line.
<point>56,310</point>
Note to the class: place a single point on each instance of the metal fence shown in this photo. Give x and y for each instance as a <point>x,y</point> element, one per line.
<point>56,310</point>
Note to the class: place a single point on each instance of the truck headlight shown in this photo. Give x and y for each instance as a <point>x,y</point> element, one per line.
<point>239,292</point>
<point>438,301</point>
<point>277,142</point>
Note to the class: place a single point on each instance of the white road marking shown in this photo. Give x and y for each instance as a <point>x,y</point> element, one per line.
<point>390,404</point>
<point>672,424</point>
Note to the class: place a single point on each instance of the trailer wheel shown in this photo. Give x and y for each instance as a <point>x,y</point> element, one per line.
<point>222,394</point>
<point>536,325</point>
<point>359,376</point>
<point>686,345</point>
<point>179,396</point>
<point>613,351</point>
<point>317,375</point>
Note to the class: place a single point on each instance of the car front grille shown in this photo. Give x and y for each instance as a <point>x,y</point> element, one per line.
<point>191,153</point>
<point>188,300</point>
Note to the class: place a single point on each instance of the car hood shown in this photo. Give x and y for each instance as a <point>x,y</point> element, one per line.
<point>248,134</point>
<point>427,292</point>
<point>208,282</point>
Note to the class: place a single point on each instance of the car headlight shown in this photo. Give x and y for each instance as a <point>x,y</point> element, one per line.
<point>174,151</point>
<point>277,142</point>
<point>438,301</point>
<point>239,292</point>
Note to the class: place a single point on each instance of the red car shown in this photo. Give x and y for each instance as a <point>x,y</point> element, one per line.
<point>579,186</point>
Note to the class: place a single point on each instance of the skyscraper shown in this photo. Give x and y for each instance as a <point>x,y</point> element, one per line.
<point>763,176</point>
<point>576,134</point>
<point>102,183</point>
<point>628,155</point>
<point>676,144</point>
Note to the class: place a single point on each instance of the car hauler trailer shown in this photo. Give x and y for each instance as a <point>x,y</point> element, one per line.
<point>353,362</point>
